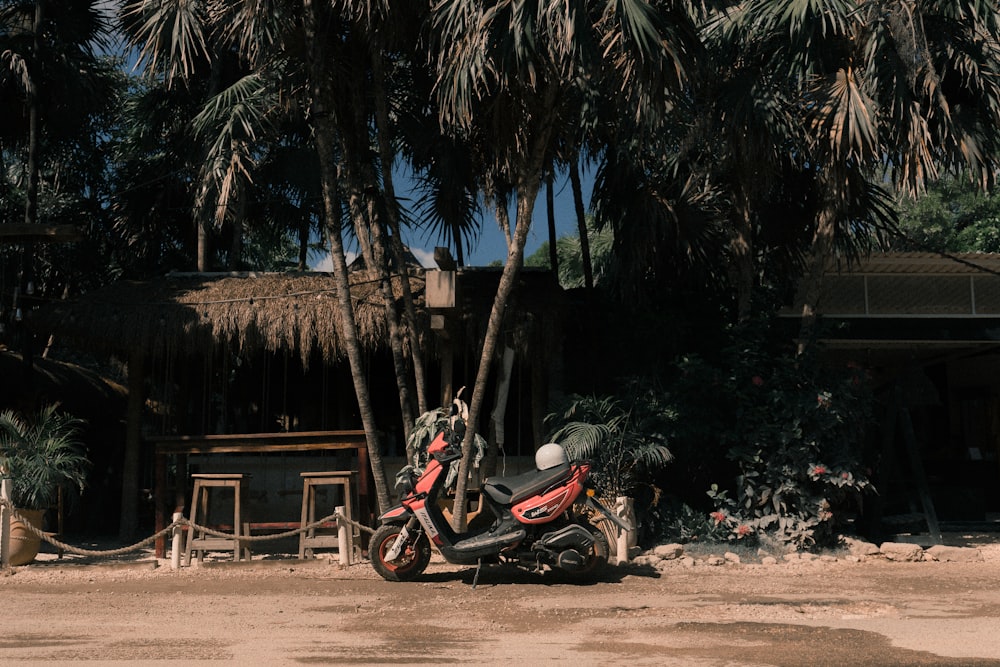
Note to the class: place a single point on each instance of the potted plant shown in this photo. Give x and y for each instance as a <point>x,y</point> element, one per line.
<point>41,455</point>
<point>624,439</point>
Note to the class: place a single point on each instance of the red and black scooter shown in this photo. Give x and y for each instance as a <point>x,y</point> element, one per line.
<point>535,524</point>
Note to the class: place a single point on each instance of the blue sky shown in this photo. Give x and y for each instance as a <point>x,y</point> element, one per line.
<point>491,246</point>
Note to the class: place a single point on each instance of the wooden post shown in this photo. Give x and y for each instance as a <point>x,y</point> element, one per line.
<point>160,501</point>
<point>625,510</point>
<point>175,543</point>
<point>5,494</point>
<point>345,546</point>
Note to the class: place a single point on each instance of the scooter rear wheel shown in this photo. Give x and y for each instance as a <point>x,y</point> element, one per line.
<point>411,562</point>
<point>596,558</point>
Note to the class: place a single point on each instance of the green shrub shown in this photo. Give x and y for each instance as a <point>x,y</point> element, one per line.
<point>794,431</point>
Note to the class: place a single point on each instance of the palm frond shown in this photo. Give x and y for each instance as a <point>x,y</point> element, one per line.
<point>168,34</point>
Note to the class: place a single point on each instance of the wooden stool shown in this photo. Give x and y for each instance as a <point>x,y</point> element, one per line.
<point>309,539</point>
<point>199,541</point>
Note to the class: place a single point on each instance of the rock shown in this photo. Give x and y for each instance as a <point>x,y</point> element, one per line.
<point>792,557</point>
<point>669,551</point>
<point>645,559</point>
<point>687,561</point>
<point>860,547</point>
<point>715,561</point>
<point>954,554</point>
<point>902,551</point>
<point>768,560</point>
<point>731,557</point>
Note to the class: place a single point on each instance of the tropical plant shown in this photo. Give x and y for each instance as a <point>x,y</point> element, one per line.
<point>42,454</point>
<point>621,435</point>
<point>794,432</point>
<point>425,429</point>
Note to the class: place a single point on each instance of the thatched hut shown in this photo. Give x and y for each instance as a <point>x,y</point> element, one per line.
<point>192,341</point>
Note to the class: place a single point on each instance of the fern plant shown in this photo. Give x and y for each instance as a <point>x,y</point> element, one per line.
<point>623,437</point>
<point>41,455</point>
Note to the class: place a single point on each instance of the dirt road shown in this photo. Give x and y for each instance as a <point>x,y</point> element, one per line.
<point>286,612</point>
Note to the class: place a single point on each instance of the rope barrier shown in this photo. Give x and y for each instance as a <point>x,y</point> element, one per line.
<point>169,529</point>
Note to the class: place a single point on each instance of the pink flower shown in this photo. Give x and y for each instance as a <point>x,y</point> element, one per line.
<point>757,380</point>
<point>718,516</point>
<point>818,470</point>
<point>743,530</point>
<point>845,475</point>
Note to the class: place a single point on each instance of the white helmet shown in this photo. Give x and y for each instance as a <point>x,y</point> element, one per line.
<point>549,456</point>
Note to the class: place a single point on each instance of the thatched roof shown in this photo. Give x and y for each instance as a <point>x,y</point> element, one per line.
<point>191,312</point>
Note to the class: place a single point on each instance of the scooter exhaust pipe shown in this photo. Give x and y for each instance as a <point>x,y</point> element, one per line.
<point>571,560</point>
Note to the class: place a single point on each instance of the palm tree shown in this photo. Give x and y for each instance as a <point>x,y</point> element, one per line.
<point>275,49</point>
<point>908,88</point>
<point>502,71</point>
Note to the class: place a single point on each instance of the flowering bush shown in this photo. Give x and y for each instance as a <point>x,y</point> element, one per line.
<point>794,430</point>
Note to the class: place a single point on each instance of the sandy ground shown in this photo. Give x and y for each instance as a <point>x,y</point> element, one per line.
<point>834,610</point>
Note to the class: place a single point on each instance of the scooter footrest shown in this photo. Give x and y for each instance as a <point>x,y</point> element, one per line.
<point>488,542</point>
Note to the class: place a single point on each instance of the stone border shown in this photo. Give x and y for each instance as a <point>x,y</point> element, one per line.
<point>855,551</point>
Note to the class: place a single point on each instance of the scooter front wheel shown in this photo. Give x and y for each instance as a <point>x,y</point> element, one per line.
<point>412,560</point>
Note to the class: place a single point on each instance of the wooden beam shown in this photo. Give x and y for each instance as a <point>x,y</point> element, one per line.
<point>18,231</point>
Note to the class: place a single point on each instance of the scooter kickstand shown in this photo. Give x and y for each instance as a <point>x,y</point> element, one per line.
<point>475,579</point>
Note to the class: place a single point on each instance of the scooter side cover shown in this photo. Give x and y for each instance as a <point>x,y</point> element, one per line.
<point>544,508</point>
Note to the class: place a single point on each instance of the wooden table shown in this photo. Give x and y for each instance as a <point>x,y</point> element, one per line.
<point>249,443</point>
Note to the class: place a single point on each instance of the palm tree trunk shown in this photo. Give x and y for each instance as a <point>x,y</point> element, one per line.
<point>324,133</point>
<point>550,215</point>
<point>396,240</point>
<point>367,222</point>
<point>498,415</point>
<point>363,186</point>
<point>581,222</point>
<point>128,523</point>
<point>526,196</point>
<point>31,193</point>
<point>201,217</point>
<point>812,281</point>
<point>528,181</point>
<point>742,249</point>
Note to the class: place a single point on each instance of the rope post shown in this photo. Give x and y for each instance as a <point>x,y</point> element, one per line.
<point>4,523</point>
<point>625,509</point>
<point>175,544</point>
<point>344,534</point>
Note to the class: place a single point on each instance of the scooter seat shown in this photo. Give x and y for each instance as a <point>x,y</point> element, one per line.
<point>509,490</point>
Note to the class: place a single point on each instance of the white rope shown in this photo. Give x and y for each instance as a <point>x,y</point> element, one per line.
<point>180,522</point>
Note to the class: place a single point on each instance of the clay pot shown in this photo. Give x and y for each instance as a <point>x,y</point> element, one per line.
<point>24,543</point>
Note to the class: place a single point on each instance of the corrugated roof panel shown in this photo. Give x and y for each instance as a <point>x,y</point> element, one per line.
<point>987,290</point>
<point>919,295</point>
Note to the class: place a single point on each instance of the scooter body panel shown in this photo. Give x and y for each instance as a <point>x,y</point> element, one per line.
<point>550,504</point>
